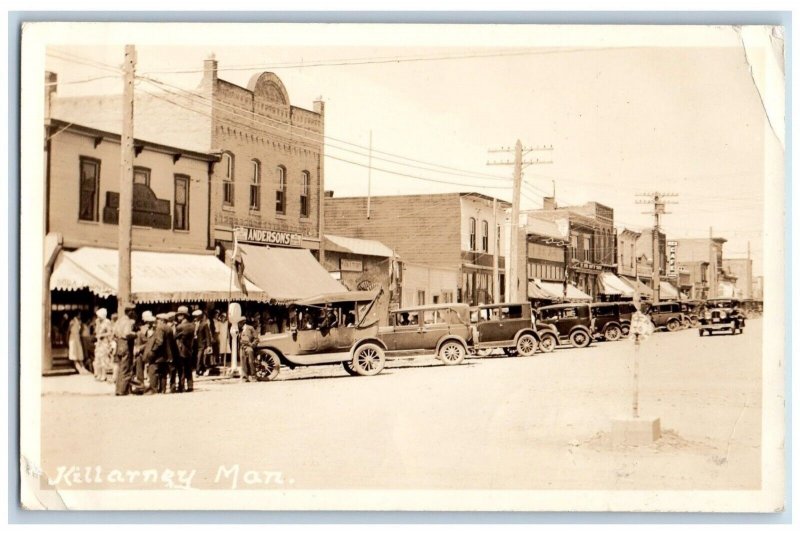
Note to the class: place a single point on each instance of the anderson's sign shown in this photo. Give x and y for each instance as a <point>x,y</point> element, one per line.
<point>267,237</point>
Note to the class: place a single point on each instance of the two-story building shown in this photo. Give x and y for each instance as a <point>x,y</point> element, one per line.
<point>449,242</point>
<point>701,258</point>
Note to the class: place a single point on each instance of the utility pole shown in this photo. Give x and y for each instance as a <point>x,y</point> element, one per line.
<point>749,271</point>
<point>369,175</point>
<point>657,200</point>
<point>514,293</point>
<point>712,265</point>
<point>125,220</point>
<point>495,257</point>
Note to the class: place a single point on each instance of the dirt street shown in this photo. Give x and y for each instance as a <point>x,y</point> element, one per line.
<point>540,422</point>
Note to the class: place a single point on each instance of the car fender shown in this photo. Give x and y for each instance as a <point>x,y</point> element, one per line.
<point>580,328</point>
<point>526,331</point>
<point>611,324</point>
<point>377,341</point>
<point>284,360</point>
<point>449,337</point>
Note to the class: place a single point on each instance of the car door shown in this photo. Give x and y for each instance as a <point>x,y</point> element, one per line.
<point>434,327</point>
<point>511,320</point>
<point>407,333</point>
<point>488,327</point>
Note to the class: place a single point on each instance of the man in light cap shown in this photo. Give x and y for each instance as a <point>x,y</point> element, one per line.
<point>143,334</point>
<point>124,335</point>
<point>103,359</point>
<point>183,366</point>
<point>203,342</point>
<point>156,355</point>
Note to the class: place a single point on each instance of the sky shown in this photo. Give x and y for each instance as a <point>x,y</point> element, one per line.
<point>621,121</point>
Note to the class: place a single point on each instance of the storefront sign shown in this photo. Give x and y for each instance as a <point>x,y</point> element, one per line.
<point>267,237</point>
<point>350,265</point>
<point>672,253</point>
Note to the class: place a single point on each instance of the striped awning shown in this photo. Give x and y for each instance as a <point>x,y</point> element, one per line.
<point>613,285</point>
<point>555,291</point>
<point>644,290</point>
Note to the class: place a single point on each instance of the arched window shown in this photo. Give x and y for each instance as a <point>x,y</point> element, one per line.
<point>255,185</point>
<point>305,190</point>
<point>472,237</point>
<point>227,179</point>
<point>280,194</point>
<point>485,236</point>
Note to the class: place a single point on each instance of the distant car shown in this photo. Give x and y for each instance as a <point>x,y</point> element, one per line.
<point>327,329</point>
<point>691,311</point>
<point>509,326</point>
<point>571,323</point>
<point>722,315</point>
<point>666,314</point>
<point>442,328</point>
<point>612,320</point>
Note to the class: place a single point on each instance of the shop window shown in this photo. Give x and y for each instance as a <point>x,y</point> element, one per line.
<point>227,181</point>
<point>420,297</point>
<point>255,185</point>
<point>447,297</point>
<point>280,194</point>
<point>485,236</point>
<point>587,248</point>
<point>90,187</point>
<point>141,175</point>
<point>180,219</point>
<point>472,237</point>
<point>304,194</point>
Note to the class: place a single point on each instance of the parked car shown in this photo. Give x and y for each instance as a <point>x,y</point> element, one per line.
<point>570,323</point>
<point>666,314</point>
<point>608,319</point>
<point>327,329</point>
<point>442,328</point>
<point>722,315</point>
<point>692,311</point>
<point>509,326</point>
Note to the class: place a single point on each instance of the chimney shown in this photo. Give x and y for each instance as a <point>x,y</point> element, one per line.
<point>50,81</point>
<point>329,194</point>
<point>209,72</point>
<point>319,106</point>
<point>549,203</point>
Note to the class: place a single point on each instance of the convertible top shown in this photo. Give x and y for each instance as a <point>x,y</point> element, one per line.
<point>340,297</point>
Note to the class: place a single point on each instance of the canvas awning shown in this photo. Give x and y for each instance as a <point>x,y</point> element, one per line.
<point>667,291</point>
<point>555,291</point>
<point>156,277</point>
<point>644,290</point>
<point>726,289</point>
<point>287,274</point>
<point>344,244</point>
<point>613,285</point>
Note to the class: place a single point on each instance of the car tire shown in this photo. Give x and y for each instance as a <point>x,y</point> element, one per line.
<point>267,365</point>
<point>626,329</point>
<point>701,332</point>
<point>548,343</point>
<point>368,359</point>
<point>580,338</point>
<point>452,352</point>
<point>612,333</point>
<point>694,322</point>
<point>348,367</point>
<point>510,351</point>
<point>673,325</point>
<point>527,345</point>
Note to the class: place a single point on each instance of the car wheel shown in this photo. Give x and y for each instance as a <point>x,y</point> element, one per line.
<point>685,323</point>
<point>612,333</point>
<point>626,329</point>
<point>267,365</point>
<point>673,325</point>
<point>348,367</point>
<point>510,351</point>
<point>694,322</point>
<point>368,359</point>
<point>580,338</point>
<point>527,345</point>
<point>548,343</point>
<point>452,352</point>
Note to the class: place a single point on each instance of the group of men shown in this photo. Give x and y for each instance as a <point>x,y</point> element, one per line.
<point>166,348</point>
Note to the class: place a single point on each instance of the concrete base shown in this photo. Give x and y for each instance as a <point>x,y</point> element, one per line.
<point>635,431</point>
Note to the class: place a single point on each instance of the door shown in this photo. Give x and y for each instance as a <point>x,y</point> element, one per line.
<point>434,327</point>
<point>406,333</point>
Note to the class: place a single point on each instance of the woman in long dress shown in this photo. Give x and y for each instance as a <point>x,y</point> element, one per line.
<point>75,345</point>
<point>102,347</point>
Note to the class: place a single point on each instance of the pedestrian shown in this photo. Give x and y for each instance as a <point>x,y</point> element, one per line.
<point>124,335</point>
<point>75,344</point>
<point>143,334</point>
<point>223,337</point>
<point>156,355</point>
<point>203,341</point>
<point>173,355</point>
<point>103,346</point>
<point>247,342</point>
<point>87,341</point>
<point>184,339</point>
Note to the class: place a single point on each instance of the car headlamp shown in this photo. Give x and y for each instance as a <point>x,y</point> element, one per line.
<point>722,314</point>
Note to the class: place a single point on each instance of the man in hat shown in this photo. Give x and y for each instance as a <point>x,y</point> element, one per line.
<point>143,334</point>
<point>157,355</point>
<point>184,339</point>
<point>203,341</point>
<point>124,335</point>
<point>247,342</point>
<point>173,355</point>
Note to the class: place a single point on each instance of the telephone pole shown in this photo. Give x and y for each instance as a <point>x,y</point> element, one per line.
<point>657,200</point>
<point>125,220</point>
<point>513,291</point>
<point>495,258</point>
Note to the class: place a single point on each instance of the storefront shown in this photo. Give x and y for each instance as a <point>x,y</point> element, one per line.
<point>644,291</point>
<point>539,290</point>
<point>612,288</point>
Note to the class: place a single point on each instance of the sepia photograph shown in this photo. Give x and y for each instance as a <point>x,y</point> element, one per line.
<point>402,267</point>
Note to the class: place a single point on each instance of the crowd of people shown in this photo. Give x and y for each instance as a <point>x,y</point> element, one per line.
<point>159,353</point>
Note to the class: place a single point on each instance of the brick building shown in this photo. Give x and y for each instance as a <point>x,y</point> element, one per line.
<point>436,235</point>
<point>701,258</point>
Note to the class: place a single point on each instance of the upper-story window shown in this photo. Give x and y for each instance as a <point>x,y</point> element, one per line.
<point>485,236</point>
<point>227,180</point>
<point>304,194</point>
<point>472,236</point>
<point>280,193</point>
<point>141,175</point>
<point>255,185</point>
<point>90,189</point>
<point>573,247</point>
<point>180,217</point>
<point>587,249</point>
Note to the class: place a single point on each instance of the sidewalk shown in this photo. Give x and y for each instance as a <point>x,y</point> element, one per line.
<point>86,385</point>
